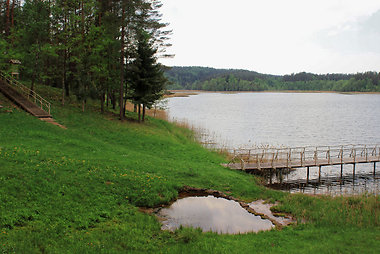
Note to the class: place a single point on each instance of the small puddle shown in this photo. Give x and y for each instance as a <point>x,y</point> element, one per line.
<point>212,214</point>
<point>260,207</point>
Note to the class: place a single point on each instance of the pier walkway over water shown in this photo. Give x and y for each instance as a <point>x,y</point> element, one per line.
<point>265,160</point>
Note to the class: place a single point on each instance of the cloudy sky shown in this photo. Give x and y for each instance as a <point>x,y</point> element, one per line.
<point>275,36</point>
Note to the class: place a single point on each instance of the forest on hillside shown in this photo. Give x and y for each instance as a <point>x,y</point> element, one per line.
<point>210,79</point>
<point>104,50</point>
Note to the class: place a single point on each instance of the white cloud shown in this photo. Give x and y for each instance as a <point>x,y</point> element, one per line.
<point>362,36</point>
<point>272,36</point>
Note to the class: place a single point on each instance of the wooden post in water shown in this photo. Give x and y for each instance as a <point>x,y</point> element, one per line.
<point>319,174</point>
<point>307,177</point>
<point>353,172</point>
<point>270,176</point>
<point>341,171</point>
<point>374,169</point>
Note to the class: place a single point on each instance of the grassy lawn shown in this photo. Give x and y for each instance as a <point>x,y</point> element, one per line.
<point>77,190</point>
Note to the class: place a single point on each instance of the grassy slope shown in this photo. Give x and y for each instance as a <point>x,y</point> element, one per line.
<point>77,191</point>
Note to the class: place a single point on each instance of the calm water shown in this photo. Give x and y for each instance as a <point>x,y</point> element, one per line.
<point>290,120</point>
<point>212,214</point>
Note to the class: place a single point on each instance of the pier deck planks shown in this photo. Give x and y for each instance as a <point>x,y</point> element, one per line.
<point>298,164</point>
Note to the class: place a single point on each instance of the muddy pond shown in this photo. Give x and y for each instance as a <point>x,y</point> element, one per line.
<point>218,215</point>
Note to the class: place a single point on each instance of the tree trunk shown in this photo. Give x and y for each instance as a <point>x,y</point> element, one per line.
<point>113,100</point>
<point>125,106</point>
<point>34,73</point>
<point>139,117</point>
<point>63,89</point>
<point>12,14</point>
<point>67,88</point>
<point>82,19</point>
<point>135,107</point>
<point>102,99</point>
<point>121,101</point>
<point>143,115</point>
<point>7,18</point>
<point>108,99</point>
<point>64,58</point>
<point>83,105</point>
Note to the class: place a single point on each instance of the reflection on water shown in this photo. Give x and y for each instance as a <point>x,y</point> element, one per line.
<point>288,120</point>
<point>212,214</point>
<point>362,180</point>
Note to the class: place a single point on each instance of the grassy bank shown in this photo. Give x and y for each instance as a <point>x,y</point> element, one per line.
<point>78,191</point>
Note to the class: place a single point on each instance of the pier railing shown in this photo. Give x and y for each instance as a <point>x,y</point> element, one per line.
<point>27,92</point>
<point>268,157</point>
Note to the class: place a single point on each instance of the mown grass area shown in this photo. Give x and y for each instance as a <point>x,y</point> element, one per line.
<point>78,191</point>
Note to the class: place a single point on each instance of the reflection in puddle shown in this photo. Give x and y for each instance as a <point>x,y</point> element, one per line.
<point>212,214</point>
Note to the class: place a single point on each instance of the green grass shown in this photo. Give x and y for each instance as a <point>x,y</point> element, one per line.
<point>78,191</point>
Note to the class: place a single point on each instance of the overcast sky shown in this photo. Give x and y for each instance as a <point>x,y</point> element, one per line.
<point>275,36</point>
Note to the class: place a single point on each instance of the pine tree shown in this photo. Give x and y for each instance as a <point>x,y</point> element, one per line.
<point>147,77</point>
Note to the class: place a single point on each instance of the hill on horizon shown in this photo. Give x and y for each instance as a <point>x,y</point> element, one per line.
<point>213,79</point>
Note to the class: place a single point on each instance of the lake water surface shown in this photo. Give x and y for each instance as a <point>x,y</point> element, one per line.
<point>286,120</point>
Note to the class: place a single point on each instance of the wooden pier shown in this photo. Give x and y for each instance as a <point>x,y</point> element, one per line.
<point>265,160</point>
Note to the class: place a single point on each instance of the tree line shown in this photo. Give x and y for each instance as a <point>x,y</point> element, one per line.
<point>199,78</point>
<point>106,50</point>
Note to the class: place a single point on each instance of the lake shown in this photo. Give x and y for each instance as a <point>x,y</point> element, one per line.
<point>235,120</point>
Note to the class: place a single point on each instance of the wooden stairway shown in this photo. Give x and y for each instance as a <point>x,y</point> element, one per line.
<point>23,102</point>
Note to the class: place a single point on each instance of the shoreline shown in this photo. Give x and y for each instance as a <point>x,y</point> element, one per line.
<point>186,93</point>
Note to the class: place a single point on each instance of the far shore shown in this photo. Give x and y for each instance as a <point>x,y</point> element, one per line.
<point>186,93</point>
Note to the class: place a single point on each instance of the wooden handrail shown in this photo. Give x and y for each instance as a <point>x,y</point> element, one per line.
<point>27,92</point>
<point>303,154</point>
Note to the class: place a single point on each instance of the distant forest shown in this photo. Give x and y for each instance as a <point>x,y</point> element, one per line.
<point>210,79</point>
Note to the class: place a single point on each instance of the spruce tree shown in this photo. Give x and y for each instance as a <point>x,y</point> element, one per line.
<point>147,76</point>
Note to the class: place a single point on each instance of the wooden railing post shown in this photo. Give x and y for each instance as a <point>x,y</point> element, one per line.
<point>258,165</point>
<point>242,163</point>
<point>287,160</point>
<point>328,155</point>
<point>304,154</point>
